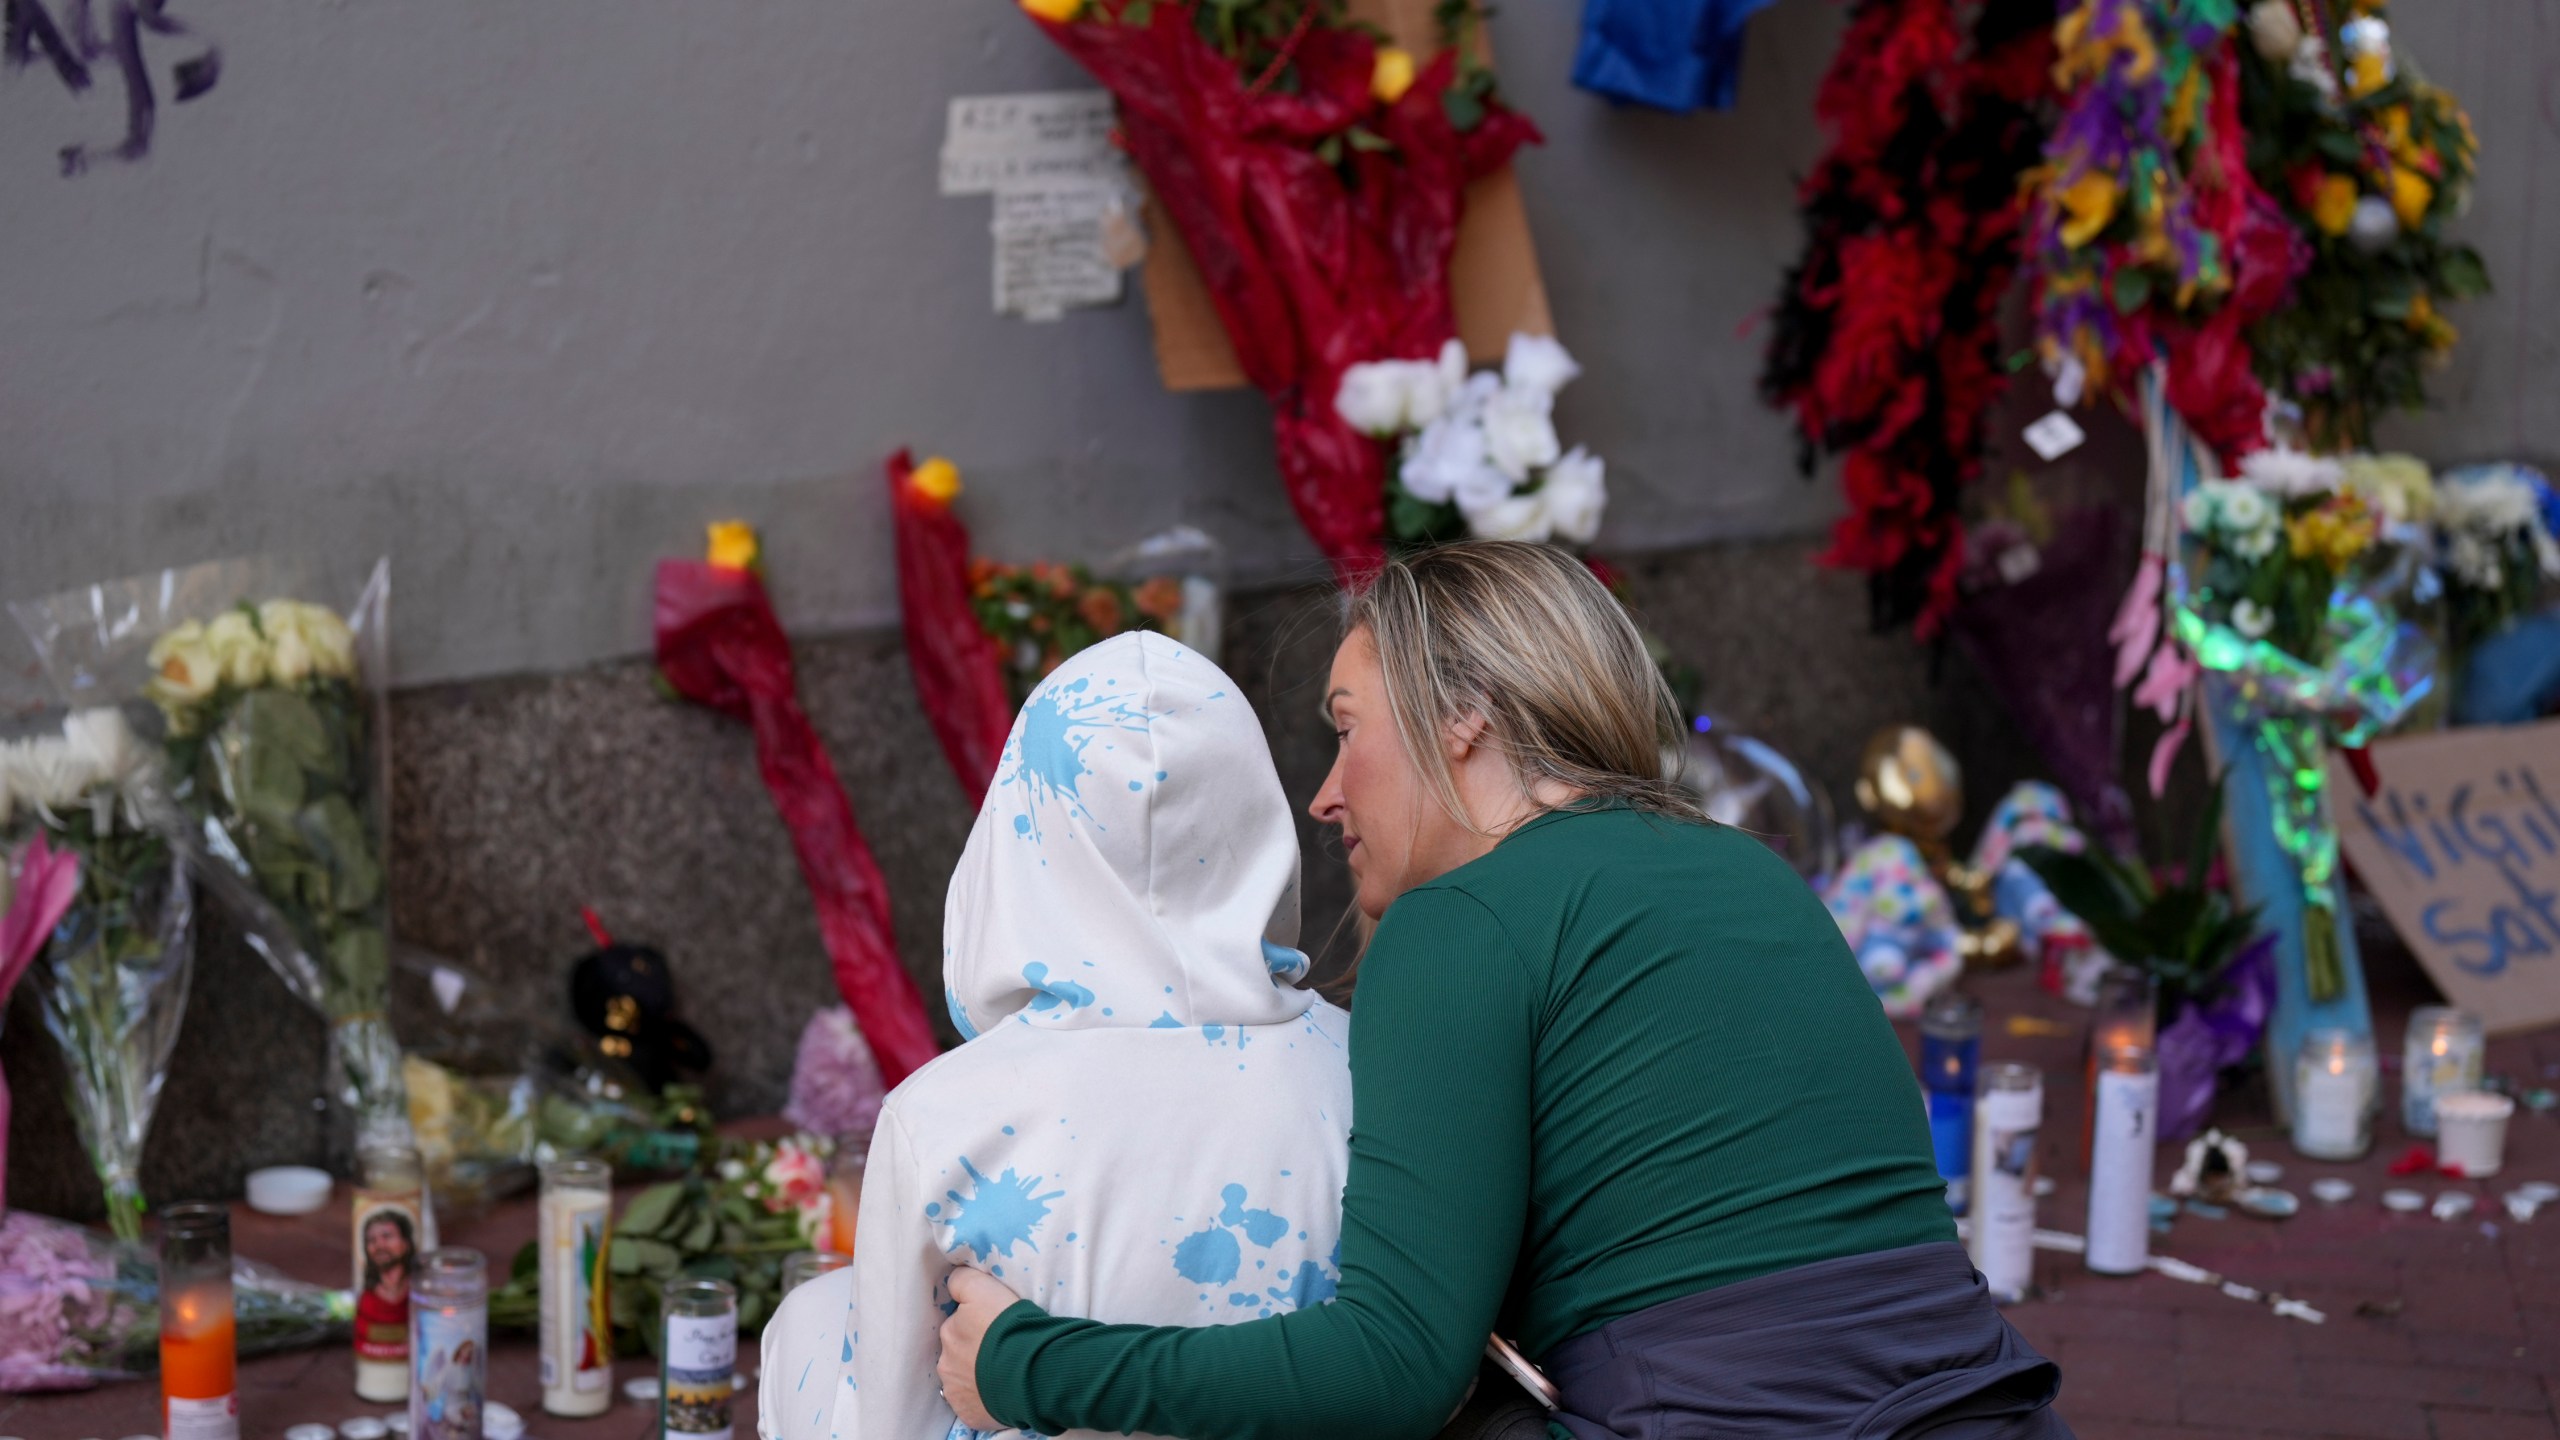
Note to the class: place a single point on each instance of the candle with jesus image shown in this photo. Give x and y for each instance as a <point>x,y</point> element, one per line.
<point>389,1208</point>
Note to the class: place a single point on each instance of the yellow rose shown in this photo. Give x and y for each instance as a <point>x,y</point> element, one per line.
<point>2411,195</point>
<point>937,480</point>
<point>333,645</point>
<point>183,670</point>
<point>2334,206</point>
<point>1056,12</point>
<point>733,546</point>
<point>1392,75</point>
<point>318,640</point>
<point>238,648</point>
<point>2367,73</point>
<point>2090,202</point>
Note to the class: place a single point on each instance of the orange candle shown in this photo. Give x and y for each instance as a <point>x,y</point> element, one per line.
<point>199,1347</point>
<point>844,1197</point>
<point>199,1342</point>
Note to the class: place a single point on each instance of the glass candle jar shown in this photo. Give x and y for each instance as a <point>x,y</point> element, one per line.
<point>2127,1129</point>
<point>2334,1085</point>
<point>199,1344</point>
<point>698,1370</point>
<point>2444,1052</point>
<point>389,1235</point>
<point>449,1346</point>
<point>1950,1052</point>
<point>2008,1111</point>
<point>577,1333</point>
<point>2127,1014</point>
<point>802,1266</point>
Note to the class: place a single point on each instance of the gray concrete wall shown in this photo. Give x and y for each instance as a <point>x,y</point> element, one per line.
<point>516,801</point>
<point>522,295</point>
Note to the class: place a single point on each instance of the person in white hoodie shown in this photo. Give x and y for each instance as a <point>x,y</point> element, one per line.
<point>1149,1122</point>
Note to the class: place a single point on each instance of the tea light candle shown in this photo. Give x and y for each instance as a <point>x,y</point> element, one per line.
<point>2444,1052</point>
<point>2334,1082</point>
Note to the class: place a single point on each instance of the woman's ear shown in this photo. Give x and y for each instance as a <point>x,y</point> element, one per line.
<point>1463,735</point>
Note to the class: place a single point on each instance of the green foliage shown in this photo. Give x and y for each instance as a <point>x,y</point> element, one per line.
<point>282,772</point>
<point>2183,932</point>
<point>699,1226</point>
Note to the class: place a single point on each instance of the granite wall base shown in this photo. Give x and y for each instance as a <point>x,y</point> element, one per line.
<point>518,801</point>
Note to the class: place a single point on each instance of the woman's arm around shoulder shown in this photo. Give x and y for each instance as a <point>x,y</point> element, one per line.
<point>1442,1035</point>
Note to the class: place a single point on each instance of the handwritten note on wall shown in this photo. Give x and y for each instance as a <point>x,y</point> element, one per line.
<point>2461,844</point>
<point>1064,203</point>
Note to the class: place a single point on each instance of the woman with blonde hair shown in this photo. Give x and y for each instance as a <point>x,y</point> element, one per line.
<point>1620,1091</point>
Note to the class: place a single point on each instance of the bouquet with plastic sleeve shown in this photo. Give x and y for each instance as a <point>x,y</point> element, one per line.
<point>268,676</point>
<point>77,1308</point>
<point>101,920</point>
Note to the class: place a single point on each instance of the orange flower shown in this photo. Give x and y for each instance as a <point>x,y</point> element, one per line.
<point>1160,598</point>
<point>2333,205</point>
<point>1100,609</point>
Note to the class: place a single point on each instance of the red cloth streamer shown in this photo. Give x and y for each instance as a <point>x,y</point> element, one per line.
<point>48,881</point>
<point>959,673</point>
<point>1311,275</point>
<point>719,645</point>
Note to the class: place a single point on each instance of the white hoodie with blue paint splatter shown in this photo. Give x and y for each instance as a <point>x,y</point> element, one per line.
<point>1149,1123</point>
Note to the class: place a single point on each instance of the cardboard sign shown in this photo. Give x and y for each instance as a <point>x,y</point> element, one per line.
<point>2461,844</point>
<point>1493,277</point>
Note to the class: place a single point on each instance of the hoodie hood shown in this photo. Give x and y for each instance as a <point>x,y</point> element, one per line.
<point>1134,863</point>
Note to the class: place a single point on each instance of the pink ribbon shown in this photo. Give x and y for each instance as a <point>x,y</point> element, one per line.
<point>48,880</point>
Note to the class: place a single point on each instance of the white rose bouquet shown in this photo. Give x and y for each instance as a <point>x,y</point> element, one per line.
<point>2498,553</point>
<point>111,980</point>
<point>1478,454</point>
<point>277,770</point>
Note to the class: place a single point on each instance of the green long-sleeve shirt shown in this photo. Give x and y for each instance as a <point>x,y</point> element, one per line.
<point>1619,1060</point>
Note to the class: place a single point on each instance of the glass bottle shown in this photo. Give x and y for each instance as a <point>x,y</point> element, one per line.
<point>449,1346</point>
<point>2334,1084</point>
<point>199,1344</point>
<point>698,1369</point>
<point>577,1333</point>
<point>388,1237</point>
<point>2444,1052</point>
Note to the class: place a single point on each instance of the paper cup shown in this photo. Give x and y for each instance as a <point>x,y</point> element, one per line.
<point>2471,1131</point>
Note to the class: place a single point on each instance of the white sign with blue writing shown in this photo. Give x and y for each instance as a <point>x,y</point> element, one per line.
<point>2460,841</point>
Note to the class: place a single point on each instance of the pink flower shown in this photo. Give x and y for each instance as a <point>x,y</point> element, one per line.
<point>793,1178</point>
<point>2137,623</point>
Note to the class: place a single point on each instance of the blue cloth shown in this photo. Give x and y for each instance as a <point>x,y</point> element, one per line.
<point>2513,676</point>
<point>1675,55</point>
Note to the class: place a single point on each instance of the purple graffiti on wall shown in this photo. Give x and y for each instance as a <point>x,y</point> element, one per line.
<point>91,35</point>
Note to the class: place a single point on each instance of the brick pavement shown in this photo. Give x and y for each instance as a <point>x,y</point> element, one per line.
<point>2436,1330</point>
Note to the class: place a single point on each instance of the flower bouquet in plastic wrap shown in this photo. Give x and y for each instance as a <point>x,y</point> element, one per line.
<point>268,674</point>
<point>2272,610</point>
<point>100,916</point>
<point>1317,178</point>
<point>77,1308</point>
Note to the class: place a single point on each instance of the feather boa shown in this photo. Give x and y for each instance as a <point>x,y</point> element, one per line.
<point>1887,337</point>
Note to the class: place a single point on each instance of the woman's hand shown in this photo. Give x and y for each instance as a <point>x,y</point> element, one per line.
<point>982,1298</point>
